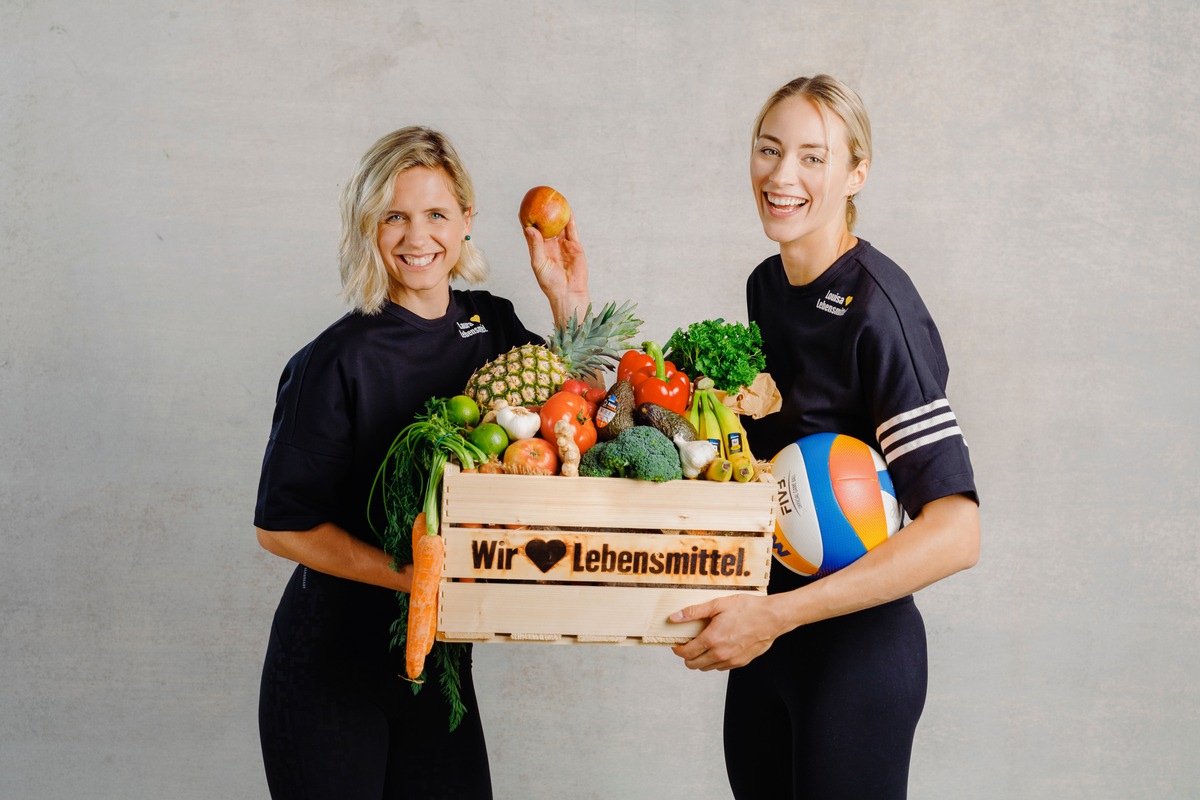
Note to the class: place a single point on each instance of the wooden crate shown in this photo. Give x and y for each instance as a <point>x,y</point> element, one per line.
<point>584,560</point>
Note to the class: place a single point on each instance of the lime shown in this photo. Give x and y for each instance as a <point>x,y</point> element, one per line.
<point>490,438</point>
<point>462,411</point>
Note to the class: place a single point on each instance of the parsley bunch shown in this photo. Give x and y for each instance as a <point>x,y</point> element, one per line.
<point>729,353</point>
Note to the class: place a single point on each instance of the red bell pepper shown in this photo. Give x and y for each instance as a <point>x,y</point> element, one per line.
<point>653,379</point>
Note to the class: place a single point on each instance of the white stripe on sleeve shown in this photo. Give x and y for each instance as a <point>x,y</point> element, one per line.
<point>907,415</point>
<point>917,427</point>
<point>908,447</point>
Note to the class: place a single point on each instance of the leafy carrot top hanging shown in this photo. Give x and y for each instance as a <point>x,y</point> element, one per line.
<point>409,483</point>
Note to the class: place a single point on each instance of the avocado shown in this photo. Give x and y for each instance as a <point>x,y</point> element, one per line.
<point>666,420</point>
<point>615,412</point>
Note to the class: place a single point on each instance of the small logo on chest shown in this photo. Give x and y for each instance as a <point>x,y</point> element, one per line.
<point>834,303</point>
<point>471,327</point>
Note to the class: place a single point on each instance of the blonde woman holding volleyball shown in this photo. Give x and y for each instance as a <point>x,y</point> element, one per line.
<point>827,677</point>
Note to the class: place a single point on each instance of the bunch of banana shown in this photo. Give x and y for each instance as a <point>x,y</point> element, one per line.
<point>704,419</point>
<point>715,421</point>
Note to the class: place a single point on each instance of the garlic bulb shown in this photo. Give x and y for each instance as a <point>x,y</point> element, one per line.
<point>694,456</point>
<point>518,422</point>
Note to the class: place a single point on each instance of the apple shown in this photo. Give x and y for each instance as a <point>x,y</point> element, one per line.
<point>545,209</point>
<point>531,457</point>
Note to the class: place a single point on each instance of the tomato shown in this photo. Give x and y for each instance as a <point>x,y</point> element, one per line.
<point>462,411</point>
<point>575,408</point>
<point>596,395</point>
<point>575,387</point>
<point>532,455</point>
<point>490,438</point>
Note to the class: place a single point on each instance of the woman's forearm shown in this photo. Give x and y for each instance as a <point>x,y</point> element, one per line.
<point>565,306</point>
<point>333,551</point>
<point>944,539</point>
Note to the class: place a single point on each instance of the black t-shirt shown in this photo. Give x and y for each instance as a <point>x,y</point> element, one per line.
<point>856,352</point>
<point>343,398</point>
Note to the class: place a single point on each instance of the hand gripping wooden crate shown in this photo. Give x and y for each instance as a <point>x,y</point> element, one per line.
<point>585,560</point>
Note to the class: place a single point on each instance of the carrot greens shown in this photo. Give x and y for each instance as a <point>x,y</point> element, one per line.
<point>408,483</point>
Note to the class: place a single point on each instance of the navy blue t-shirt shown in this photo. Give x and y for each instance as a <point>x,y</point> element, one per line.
<point>856,352</point>
<point>343,398</point>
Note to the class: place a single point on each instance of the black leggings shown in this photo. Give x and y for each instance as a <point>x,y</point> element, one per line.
<point>830,710</point>
<point>336,722</point>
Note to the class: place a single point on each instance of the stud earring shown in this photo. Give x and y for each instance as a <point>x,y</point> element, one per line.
<point>468,237</point>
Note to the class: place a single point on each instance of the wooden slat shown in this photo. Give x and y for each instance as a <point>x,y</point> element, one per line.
<point>609,557</point>
<point>475,611</point>
<point>481,638</point>
<point>607,502</point>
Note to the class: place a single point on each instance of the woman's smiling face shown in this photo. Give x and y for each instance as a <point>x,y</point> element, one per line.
<point>800,171</point>
<point>420,237</point>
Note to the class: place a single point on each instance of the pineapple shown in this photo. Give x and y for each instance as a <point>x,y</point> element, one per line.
<point>528,374</point>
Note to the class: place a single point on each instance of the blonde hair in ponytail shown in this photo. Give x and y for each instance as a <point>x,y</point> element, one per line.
<point>831,95</point>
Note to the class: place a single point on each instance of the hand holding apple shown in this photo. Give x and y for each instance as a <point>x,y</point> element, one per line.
<point>557,256</point>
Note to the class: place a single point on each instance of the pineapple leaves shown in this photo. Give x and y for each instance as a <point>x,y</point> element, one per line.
<point>528,374</point>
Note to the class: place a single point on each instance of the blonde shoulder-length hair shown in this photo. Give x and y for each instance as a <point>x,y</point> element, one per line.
<point>833,96</point>
<point>368,195</point>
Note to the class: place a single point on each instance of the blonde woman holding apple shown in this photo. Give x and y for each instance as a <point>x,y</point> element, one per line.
<point>827,677</point>
<point>336,717</point>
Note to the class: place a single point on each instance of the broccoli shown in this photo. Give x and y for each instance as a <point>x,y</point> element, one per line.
<point>590,465</point>
<point>641,452</point>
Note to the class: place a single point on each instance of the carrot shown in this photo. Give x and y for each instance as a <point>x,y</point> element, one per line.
<point>429,552</point>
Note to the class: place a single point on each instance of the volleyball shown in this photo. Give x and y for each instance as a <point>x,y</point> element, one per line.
<point>834,503</point>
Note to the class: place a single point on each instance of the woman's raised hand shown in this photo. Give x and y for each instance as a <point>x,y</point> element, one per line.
<point>560,266</point>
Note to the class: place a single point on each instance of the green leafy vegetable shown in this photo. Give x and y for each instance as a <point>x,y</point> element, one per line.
<point>591,465</point>
<point>641,452</point>
<point>729,353</point>
<point>409,481</point>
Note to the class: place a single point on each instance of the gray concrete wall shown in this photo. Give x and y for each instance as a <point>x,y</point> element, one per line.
<point>168,177</point>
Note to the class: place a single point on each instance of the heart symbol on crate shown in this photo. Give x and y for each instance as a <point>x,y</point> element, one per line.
<point>543,554</point>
